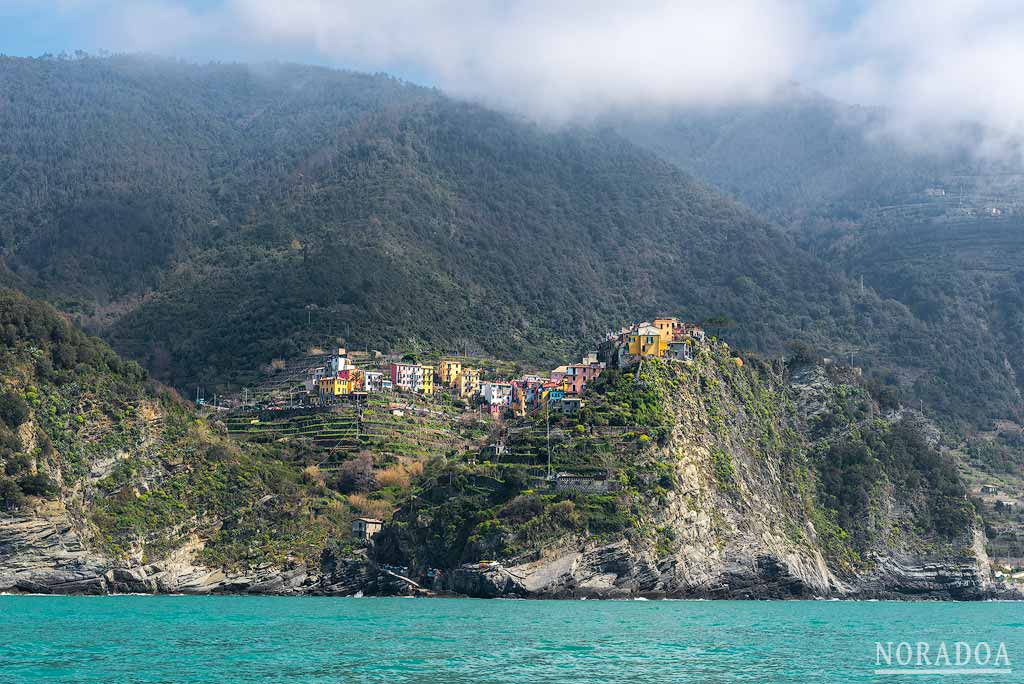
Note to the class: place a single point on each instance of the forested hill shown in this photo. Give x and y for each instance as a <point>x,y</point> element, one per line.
<point>797,157</point>
<point>937,228</point>
<point>206,219</point>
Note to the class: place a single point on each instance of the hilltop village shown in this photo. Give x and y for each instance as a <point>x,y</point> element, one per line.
<point>349,377</point>
<point>394,412</point>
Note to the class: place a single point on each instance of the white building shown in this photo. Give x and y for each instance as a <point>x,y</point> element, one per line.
<point>312,381</point>
<point>339,363</point>
<point>407,376</point>
<point>496,393</point>
<point>373,381</point>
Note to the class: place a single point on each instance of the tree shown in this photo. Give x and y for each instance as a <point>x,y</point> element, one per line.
<point>13,409</point>
<point>37,484</point>
<point>11,497</point>
<point>802,352</point>
<point>356,475</point>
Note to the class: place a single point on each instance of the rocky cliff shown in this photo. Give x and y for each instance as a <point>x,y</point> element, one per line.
<point>713,478</point>
<point>110,483</point>
<point>740,481</point>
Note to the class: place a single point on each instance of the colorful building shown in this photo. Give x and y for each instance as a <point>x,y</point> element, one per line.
<point>468,382</point>
<point>427,380</point>
<point>448,372</point>
<point>668,327</point>
<point>518,404</point>
<point>575,376</point>
<point>553,393</point>
<point>406,376</point>
<point>526,393</point>
<point>342,383</point>
<point>646,342</point>
<point>413,377</point>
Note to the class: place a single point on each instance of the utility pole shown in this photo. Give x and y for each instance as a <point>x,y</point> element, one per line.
<point>547,420</point>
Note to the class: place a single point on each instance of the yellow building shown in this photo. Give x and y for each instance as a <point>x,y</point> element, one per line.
<point>468,382</point>
<point>668,327</point>
<point>646,342</point>
<point>342,383</point>
<point>448,372</point>
<point>427,381</point>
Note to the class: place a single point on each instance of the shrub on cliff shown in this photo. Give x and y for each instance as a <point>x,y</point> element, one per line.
<point>37,484</point>
<point>11,497</point>
<point>13,409</point>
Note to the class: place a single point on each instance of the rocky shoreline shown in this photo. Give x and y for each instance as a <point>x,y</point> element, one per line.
<point>43,554</point>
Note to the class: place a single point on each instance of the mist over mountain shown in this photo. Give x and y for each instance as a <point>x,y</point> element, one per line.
<point>206,219</point>
<point>937,228</point>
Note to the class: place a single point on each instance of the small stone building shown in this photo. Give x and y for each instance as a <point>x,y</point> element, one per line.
<point>364,528</point>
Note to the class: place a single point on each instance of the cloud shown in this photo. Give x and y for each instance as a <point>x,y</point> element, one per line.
<point>934,63</point>
<point>554,60</point>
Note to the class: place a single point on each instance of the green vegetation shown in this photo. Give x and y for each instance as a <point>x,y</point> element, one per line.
<point>169,475</point>
<point>860,470</point>
<point>461,512</point>
<point>856,197</point>
<point>149,476</point>
<point>999,453</point>
<point>725,471</point>
<point>264,210</point>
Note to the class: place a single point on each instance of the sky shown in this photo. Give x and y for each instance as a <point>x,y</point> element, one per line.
<point>933,63</point>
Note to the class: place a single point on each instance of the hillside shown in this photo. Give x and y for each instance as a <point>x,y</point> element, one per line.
<point>797,157</point>
<point>937,230</point>
<point>710,479</point>
<point>714,478</point>
<point>234,214</point>
<point>111,483</point>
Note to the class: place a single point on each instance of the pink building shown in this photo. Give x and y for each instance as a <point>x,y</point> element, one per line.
<point>580,374</point>
<point>577,375</point>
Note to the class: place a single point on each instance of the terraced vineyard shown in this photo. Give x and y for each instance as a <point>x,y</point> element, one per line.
<point>403,427</point>
<point>580,448</point>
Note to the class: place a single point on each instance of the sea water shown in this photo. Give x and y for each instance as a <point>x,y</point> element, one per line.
<point>233,639</point>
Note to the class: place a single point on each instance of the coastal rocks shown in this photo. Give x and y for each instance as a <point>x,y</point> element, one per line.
<point>962,574</point>
<point>949,579</point>
<point>42,553</point>
<point>620,570</point>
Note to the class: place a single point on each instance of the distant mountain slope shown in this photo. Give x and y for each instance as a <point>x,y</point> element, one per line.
<point>795,157</point>
<point>937,231</point>
<point>207,219</point>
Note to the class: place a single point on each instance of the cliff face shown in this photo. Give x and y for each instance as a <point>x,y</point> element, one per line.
<point>113,528</point>
<point>759,479</point>
<point>706,479</point>
<point>110,483</point>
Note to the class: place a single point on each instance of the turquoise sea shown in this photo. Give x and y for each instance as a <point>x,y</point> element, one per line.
<point>229,640</point>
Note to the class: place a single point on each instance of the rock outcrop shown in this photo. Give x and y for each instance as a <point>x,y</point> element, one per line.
<point>741,518</point>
